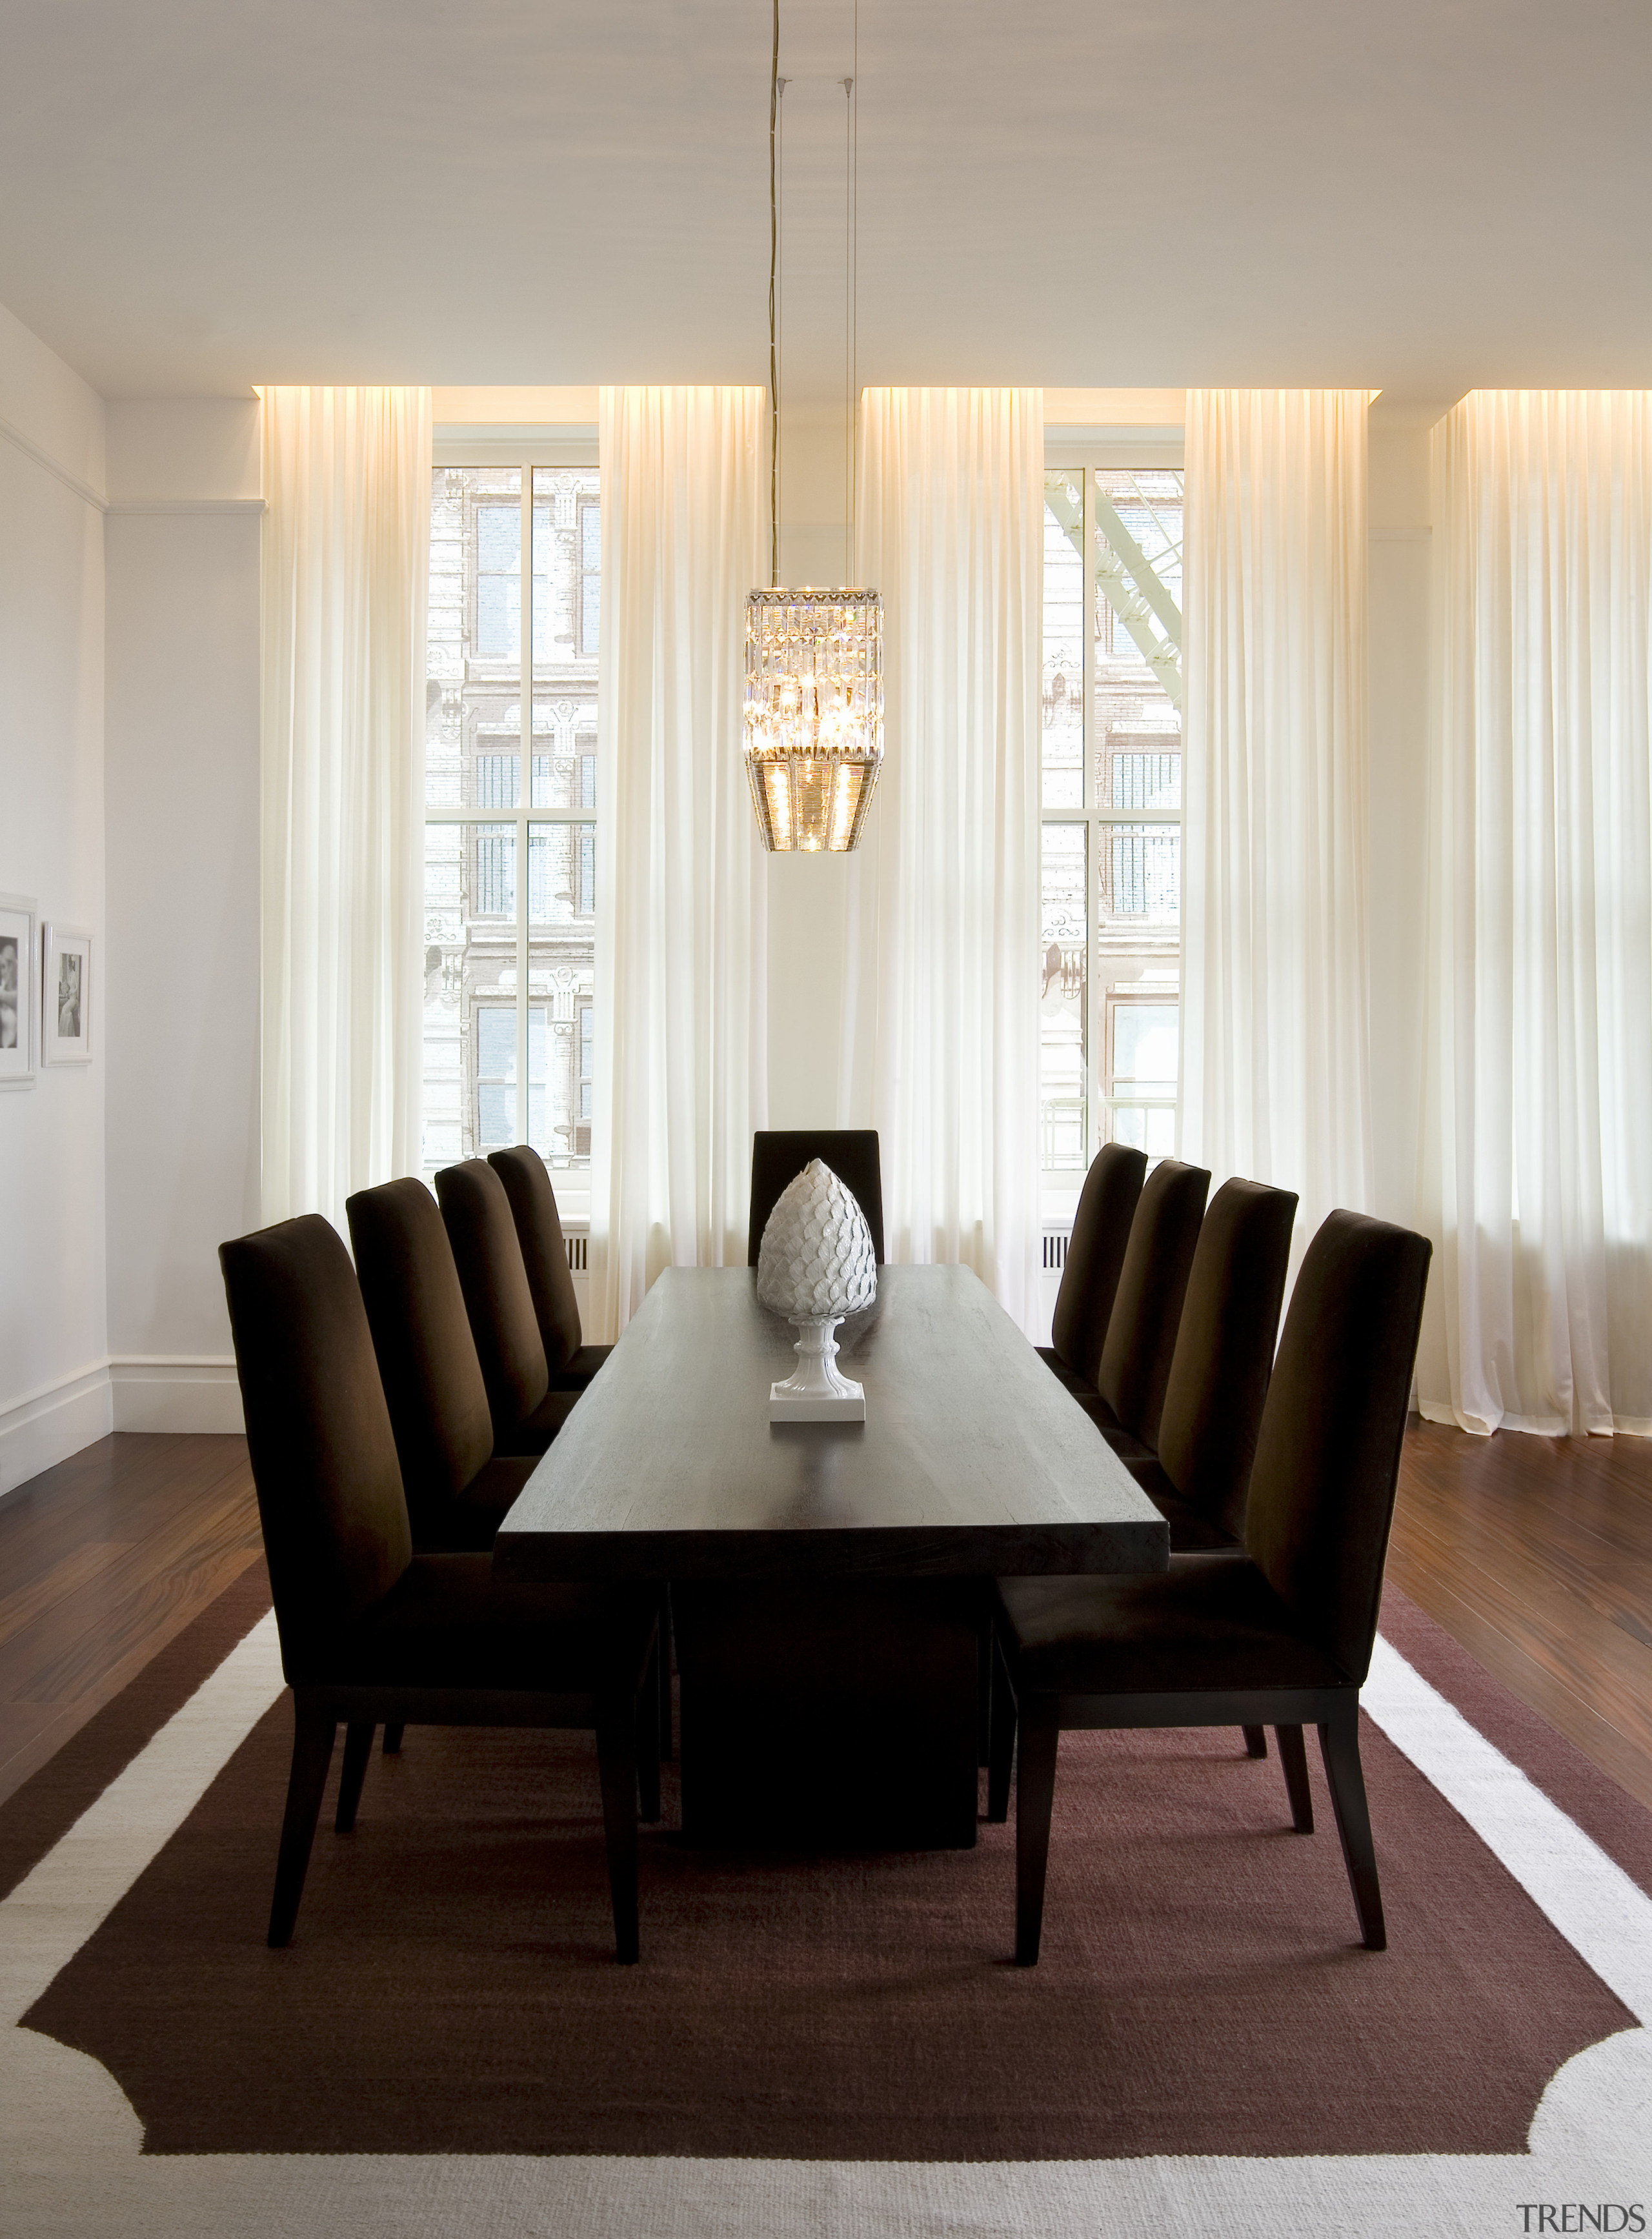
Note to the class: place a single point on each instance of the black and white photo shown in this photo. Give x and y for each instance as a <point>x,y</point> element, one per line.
<point>66,990</point>
<point>16,991</point>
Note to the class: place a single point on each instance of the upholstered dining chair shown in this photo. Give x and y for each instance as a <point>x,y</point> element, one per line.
<point>1135,1365</point>
<point>371,1632</point>
<point>779,1155</point>
<point>504,1280</point>
<point>539,1232</point>
<point>1090,1271</point>
<point>527,1413</point>
<point>1219,1371</point>
<point>1198,1477</point>
<point>457,1493</point>
<point>1281,1637</point>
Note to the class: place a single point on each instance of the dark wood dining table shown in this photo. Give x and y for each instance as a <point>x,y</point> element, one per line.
<point>830,1581</point>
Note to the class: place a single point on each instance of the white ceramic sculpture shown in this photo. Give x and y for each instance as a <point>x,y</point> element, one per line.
<point>815,1265</point>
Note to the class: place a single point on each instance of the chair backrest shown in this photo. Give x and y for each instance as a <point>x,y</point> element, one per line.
<point>495,1283</point>
<point>427,1358</point>
<point>1224,1349</point>
<point>1135,1365</point>
<point>1094,1254</point>
<point>779,1155</point>
<point>323,1458</point>
<point>539,1232</point>
<point>1328,1454</point>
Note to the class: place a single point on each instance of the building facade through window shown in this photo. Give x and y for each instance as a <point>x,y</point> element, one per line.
<point>511,799</point>
<point>1110,962</point>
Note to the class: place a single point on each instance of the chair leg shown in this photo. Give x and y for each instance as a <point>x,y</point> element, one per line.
<point>665,1742</point>
<point>358,1747</point>
<point>1338,1743</point>
<point>1294,1758</point>
<point>1255,1740</point>
<point>393,1737</point>
<point>648,1739</point>
<point>616,1763</point>
<point>1000,1756</point>
<point>1034,1797</point>
<point>312,1753</point>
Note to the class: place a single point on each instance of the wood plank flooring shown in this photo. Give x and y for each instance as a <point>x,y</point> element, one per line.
<point>102,1560</point>
<point>1535,1554</point>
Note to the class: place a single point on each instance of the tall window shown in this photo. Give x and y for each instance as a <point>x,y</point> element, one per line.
<point>1111,967</point>
<point>510,867</point>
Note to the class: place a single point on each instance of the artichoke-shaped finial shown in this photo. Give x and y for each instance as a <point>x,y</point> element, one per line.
<point>817,1262</point>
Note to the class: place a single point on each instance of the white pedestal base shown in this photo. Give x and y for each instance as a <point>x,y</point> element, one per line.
<point>815,1393</point>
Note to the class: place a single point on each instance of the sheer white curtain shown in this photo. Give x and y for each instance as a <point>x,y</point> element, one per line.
<point>346,570</point>
<point>1538,1130</point>
<point>682,929</point>
<point>1275,1073</point>
<point>941,1019</point>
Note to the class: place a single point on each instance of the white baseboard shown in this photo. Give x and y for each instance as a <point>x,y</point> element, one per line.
<point>45,1427</point>
<point>136,1393</point>
<point>176,1393</point>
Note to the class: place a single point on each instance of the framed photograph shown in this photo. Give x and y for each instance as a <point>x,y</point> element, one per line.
<point>19,1032</point>
<point>66,995</point>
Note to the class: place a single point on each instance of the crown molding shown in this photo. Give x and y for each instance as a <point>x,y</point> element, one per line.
<point>251,506</point>
<point>31,449</point>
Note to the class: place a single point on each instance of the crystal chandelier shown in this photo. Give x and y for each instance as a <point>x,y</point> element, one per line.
<point>814,709</point>
<point>814,715</point>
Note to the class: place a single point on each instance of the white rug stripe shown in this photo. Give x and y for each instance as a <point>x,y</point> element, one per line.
<point>72,2168</point>
<point>1605,1917</point>
<point>77,1885</point>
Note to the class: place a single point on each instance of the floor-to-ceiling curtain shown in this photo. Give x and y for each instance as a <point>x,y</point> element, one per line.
<point>1275,1073</point>
<point>941,1016</point>
<point>680,1075</point>
<point>346,568</point>
<point>1538,1126</point>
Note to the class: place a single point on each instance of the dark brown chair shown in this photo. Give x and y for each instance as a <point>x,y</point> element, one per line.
<point>1089,1274</point>
<point>779,1155</point>
<point>371,1632</point>
<point>527,1413</point>
<point>457,1492</point>
<point>539,1232</point>
<point>1135,1365</point>
<point>1279,1638</point>
<point>1219,1371</point>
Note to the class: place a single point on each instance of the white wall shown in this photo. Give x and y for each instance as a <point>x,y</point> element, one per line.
<point>183,562</point>
<point>54,1387</point>
<point>806,916</point>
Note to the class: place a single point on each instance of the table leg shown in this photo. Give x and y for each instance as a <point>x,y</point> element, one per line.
<point>830,1714</point>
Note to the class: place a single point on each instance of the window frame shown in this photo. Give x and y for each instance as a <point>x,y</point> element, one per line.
<point>521,451</point>
<point>1076,452</point>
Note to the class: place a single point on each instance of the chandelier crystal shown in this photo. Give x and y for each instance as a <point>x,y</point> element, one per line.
<point>814,715</point>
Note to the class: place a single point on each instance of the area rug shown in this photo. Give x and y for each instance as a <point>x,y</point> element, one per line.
<point>835,2043</point>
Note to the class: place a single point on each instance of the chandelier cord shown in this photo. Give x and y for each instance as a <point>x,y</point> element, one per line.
<point>849,328</point>
<point>853,446</point>
<point>774,348</point>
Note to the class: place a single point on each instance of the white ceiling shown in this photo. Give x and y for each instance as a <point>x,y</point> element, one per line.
<point>1422,196</point>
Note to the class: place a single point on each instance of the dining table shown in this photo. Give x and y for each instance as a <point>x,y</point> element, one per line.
<point>829,1583</point>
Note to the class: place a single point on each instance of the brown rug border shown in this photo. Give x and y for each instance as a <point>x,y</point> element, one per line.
<point>1606,1811</point>
<point>40,1813</point>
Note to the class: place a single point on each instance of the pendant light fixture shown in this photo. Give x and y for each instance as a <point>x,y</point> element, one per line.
<point>814,708</point>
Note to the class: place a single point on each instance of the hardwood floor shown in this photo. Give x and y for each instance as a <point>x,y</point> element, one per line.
<point>1535,1554</point>
<point>102,1560</point>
